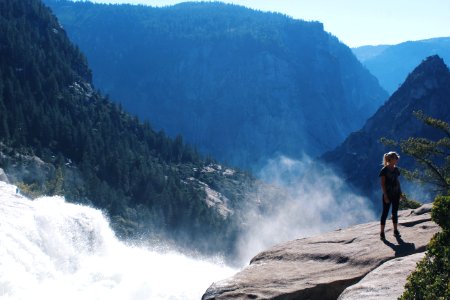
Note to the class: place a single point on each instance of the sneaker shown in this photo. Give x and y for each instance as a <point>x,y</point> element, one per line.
<point>397,233</point>
<point>382,236</point>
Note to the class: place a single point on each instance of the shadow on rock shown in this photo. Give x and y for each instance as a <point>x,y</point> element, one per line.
<point>401,248</point>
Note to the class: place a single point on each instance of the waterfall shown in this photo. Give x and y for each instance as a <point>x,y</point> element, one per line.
<point>51,249</point>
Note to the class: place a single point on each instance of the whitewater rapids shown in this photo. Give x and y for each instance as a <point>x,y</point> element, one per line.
<point>51,249</point>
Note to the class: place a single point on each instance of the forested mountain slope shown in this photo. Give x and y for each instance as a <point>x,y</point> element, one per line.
<point>358,158</point>
<point>60,136</point>
<point>240,84</point>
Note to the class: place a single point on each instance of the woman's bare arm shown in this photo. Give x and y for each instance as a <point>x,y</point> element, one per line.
<point>383,188</point>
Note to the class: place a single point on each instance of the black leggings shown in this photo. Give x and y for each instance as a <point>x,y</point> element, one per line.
<point>395,200</point>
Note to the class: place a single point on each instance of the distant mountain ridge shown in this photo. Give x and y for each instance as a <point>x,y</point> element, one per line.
<point>391,64</point>
<point>242,85</point>
<point>365,53</point>
<point>358,158</point>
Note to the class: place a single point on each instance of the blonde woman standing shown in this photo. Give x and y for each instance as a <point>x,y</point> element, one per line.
<point>392,192</point>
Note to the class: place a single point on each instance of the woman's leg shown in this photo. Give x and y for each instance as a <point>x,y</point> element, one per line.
<point>384,215</point>
<point>395,205</point>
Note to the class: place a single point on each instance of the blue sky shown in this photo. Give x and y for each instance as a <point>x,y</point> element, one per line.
<point>356,22</point>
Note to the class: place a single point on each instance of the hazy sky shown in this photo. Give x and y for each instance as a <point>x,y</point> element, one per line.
<point>356,22</point>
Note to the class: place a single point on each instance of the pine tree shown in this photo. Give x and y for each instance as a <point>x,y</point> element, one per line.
<point>431,279</point>
<point>433,156</point>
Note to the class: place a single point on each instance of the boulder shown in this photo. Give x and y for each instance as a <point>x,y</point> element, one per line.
<point>321,267</point>
<point>423,209</point>
<point>385,282</point>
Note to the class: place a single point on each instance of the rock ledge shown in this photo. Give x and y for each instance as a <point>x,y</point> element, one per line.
<point>322,267</point>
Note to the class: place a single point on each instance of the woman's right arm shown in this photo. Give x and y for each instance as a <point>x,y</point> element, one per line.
<point>383,188</point>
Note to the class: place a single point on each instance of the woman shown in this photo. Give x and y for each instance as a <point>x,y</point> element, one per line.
<point>392,191</point>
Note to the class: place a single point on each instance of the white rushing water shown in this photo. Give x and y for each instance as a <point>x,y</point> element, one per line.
<point>50,249</point>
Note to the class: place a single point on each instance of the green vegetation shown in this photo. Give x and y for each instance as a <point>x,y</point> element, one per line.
<point>408,203</point>
<point>430,280</point>
<point>82,145</point>
<point>432,156</point>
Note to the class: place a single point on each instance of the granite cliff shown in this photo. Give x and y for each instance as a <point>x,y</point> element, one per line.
<point>227,78</point>
<point>349,263</point>
<point>358,158</point>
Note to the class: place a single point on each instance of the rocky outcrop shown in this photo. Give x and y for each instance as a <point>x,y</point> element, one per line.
<point>426,89</point>
<point>385,282</point>
<point>321,267</point>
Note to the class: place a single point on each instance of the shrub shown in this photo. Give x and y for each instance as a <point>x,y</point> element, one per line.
<point>430,280</point>
<point>408,203</point>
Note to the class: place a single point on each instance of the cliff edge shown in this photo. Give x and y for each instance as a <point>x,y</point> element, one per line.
<point>322,267</point>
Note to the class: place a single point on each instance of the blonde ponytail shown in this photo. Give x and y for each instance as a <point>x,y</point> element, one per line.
<point>388,156</point>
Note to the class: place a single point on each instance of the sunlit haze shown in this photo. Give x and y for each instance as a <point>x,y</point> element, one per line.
<point>355,22</point>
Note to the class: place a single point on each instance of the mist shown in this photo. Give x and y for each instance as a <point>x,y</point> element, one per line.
<point>51,249</point>
<point>314,200</point>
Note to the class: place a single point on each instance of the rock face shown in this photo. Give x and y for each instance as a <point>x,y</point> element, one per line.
<point>386,281</point>
<point>227,78</point>
<point>322,267</point>
<point>358,158</point>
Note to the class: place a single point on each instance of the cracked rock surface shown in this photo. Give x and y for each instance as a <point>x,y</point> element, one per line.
<point>385,282</point>
<point>322,267</point>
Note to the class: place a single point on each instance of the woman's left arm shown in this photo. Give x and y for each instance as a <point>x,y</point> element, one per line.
<point>402,197</point>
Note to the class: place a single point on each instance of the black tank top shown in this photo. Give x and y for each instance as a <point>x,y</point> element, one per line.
<point>391,179</point>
